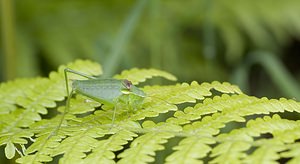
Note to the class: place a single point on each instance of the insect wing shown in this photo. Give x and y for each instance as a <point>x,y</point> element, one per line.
<point>102,90</point>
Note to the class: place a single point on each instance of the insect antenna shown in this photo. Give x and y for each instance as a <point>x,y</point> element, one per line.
<point>149,96</point>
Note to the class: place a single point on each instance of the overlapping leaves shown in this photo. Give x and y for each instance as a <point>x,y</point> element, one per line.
<point>213,122</point>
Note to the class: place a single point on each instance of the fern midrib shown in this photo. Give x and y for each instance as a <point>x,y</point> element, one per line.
<point>35,102</point>
<point>40,150</point>
<point>139,147</point>
<point>52,87</point>
<point>106,147</point>
<point>16,121</point>
<point>73,147</point>
<point>186,153</point>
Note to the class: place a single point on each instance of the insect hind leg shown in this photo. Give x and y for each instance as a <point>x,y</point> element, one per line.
<point>69,70</point>
<point>67,108</point>
<point>114,116</point>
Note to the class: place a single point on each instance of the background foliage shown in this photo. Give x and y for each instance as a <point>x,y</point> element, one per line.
<point>254,44</point>
<point>202,39</point>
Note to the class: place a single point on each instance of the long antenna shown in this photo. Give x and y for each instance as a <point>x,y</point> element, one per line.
<point>160,99</point>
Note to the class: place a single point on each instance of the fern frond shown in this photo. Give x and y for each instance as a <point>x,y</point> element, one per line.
<point>13,140</point>
<point>140,75</point>
<point>34,96</point>
<point>189,150</point>
<point>293,152</point>
<point>266,153</point>
<point>10,91</point>
<point>231,152</point>
<point>103,152</point>
<point>211,122</point>
<point>143,148</point>
<point>80,105</point>
<point>40,150</point>
<point>181,93</point>
<point>77,144</point>
<point>37,102</point>
<point>266,150</point>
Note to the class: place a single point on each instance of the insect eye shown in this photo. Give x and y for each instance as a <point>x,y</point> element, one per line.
<point>127,84</point>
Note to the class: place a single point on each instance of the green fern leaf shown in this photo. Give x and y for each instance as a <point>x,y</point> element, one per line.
<point>143,148</point>
<point>293,152</point>
<point>80,105</point>
<point>210,122</point>
<point>40,150</point>
<point>9,92</point>
<point>190,149</point>
<point>77,144</point>
<point>10,150</point>
<point>103,152</point>
<point>140,75</point>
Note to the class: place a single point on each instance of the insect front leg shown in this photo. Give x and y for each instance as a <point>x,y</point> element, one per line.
<point>135,102</point>
<point>114,115</point>
<point>117,104</point>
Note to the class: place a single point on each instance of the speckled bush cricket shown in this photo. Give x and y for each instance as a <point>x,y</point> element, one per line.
<point>106,91</point>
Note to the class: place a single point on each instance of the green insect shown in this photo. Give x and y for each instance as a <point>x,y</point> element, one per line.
<point>106,91</point>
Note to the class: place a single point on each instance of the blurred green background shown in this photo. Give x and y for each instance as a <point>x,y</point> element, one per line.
<point>254,44</point>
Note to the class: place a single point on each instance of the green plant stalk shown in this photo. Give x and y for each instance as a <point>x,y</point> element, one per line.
<point>123,37</point>
<point>278,73</point>
<point>9,42</point>
<point>209,49</point>
<point>155,34</point>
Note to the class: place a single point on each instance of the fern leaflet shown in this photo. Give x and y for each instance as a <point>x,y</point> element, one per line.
<point>197,123</point>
